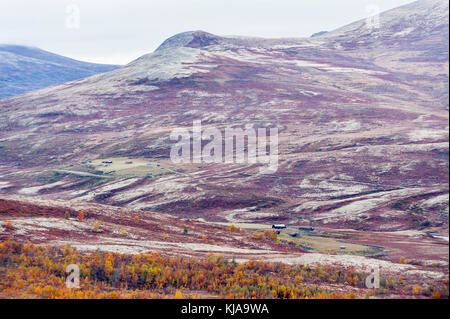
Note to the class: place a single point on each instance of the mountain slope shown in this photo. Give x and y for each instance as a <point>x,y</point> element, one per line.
<point>24,69</point>
<point>363,127</point>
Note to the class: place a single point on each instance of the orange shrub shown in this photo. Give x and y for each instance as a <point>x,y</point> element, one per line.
<point>270,234</point>
<point>436,294</point>
<point>257,235</point>
<point>8,225</point>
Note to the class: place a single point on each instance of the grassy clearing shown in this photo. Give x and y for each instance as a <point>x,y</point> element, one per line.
<point>328,244</point>
<point>322,242</point>
<point>122,167</point>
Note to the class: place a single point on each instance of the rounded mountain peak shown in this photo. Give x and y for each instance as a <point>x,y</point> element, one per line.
<point>193,39</point>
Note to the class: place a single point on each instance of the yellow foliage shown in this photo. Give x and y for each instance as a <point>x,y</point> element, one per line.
<point>436,294</point>
<point>270,234</point>
<point>178,295</point>
<point>34,271</point>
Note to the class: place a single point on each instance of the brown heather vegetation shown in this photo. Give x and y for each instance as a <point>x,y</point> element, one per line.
<point>32,271</point>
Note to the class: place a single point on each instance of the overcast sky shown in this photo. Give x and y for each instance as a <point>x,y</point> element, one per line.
<point>118,31</point>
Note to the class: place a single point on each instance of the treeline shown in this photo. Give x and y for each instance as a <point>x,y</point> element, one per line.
<point>28,270</point>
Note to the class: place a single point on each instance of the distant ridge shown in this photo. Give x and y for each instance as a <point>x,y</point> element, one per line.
<point>317,34</point>
<point>24,69</point>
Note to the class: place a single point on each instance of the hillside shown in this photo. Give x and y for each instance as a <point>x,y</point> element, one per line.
<point>363,126</point>
<point>361,181</point>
